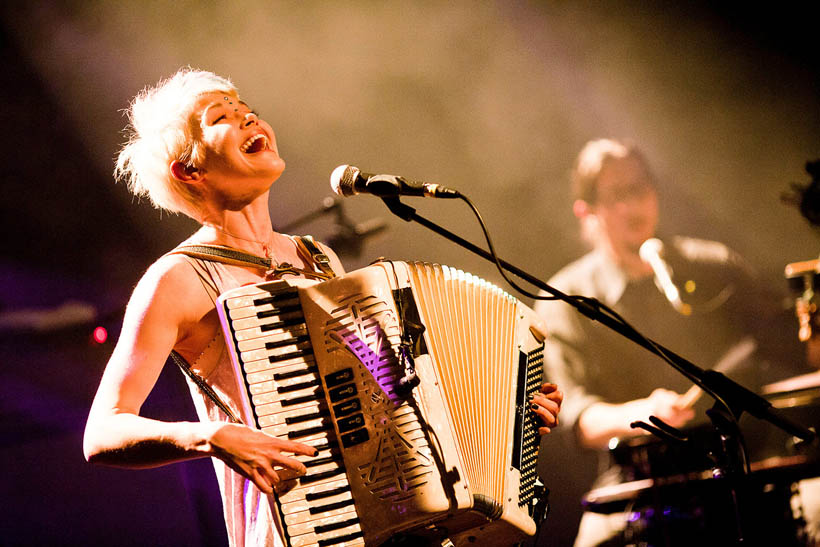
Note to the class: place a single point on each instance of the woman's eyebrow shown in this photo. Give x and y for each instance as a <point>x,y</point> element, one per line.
<point>212,105</point>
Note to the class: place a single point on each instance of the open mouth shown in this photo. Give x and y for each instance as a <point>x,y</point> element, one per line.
<point>257,143</point>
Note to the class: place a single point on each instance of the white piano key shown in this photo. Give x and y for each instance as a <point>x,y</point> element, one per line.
<point>299,492</point>
<point>308,528</point>
<point>266,374</point>
<point>275,335</point>
<point>300,512</point>
<point>241,326</point>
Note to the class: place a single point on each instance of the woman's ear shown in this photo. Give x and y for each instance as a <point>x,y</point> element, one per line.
<point>183,172</point>
<point>581,209</point>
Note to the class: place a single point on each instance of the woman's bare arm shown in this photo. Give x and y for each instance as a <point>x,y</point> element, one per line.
<point>166,304</point>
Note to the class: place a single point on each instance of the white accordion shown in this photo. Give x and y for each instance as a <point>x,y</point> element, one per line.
<point>413,381</point>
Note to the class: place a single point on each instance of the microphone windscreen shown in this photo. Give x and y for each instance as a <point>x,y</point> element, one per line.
<point>342,179</point>
<point>650,248</point>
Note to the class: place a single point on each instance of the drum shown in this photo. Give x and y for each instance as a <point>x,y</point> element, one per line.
<point>691,510</point>
<point>798,400</point>
<point>669,494</point>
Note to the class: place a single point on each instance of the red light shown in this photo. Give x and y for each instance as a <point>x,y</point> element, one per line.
<point>100,335</point>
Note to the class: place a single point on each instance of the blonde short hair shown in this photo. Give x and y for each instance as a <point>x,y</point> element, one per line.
<point>161,130</point>
<point>591,160</point>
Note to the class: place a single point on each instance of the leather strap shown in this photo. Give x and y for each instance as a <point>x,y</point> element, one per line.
<point>309,249</point>
<point>226,255</point>
<point>305,245</point>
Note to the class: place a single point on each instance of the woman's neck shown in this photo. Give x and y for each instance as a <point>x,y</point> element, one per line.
<point>249,228</point>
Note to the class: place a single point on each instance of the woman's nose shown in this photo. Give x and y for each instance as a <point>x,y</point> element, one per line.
<point>249,119</point>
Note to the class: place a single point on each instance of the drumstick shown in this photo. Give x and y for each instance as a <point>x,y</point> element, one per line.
<point>731,359</point>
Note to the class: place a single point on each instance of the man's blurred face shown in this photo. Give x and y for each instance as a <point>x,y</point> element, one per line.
<point>626,204</point>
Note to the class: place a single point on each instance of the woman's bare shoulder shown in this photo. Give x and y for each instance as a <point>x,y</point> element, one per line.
<point>172,285</point>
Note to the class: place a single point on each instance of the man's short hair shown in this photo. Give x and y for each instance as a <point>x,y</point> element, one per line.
<point>591,161</point>
<point>161,130</point>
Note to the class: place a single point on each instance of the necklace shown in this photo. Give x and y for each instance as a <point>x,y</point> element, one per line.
<point>266,246</point>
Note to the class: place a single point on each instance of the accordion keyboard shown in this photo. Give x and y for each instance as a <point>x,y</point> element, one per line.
<point>276,362</point>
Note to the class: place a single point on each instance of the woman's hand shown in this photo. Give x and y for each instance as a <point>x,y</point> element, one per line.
<point>257,455</point>
<point>546,404</point>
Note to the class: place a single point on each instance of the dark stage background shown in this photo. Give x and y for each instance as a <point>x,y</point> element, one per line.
<point>492,98</point>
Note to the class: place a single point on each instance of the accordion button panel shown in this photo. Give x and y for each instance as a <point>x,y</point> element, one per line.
<point>273,355</point>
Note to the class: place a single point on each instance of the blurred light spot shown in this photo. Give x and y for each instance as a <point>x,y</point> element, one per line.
<point>100,335</point>
<point>689,286</point>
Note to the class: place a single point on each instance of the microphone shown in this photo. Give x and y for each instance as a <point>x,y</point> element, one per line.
<point>650,252</point>
<point>347,180</point>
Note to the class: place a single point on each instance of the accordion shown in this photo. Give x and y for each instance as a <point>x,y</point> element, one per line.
<point>413,382</point>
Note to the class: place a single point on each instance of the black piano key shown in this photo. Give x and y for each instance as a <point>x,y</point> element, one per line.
<point>307,479</point>
<point>279,311</point>
<point>290,355</point>
<point>315,510</point>
<point>322,528</point>
<point>327,445</point>
<point>340,539</point>
<point>294,373</point>
<point>320,461</point>
<point>300,386</point>
<point>287,342</point>
<point>307,431</point>
<point>274,298</point>
<point>315,396</point>
<point>282,324</point>
<point>313,496</point>
<point>305,417</point>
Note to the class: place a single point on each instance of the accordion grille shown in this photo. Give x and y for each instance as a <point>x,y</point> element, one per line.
<point>472,325</point>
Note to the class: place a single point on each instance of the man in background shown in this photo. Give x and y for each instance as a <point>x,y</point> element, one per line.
<point>720,318</point>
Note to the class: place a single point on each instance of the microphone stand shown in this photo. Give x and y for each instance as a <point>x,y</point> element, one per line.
<point>730,397</point>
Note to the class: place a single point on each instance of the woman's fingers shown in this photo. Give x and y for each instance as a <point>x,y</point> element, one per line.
<point>546,404</point>
<point>262,482</point>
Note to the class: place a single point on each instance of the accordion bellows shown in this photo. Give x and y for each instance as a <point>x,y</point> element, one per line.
<point>413,382</point>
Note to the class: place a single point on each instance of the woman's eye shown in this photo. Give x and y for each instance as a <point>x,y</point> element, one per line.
<point>220,117</point>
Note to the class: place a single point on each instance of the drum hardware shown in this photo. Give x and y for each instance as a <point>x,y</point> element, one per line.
<point>804,281</point>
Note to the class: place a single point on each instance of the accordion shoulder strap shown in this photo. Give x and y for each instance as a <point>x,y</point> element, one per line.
<point>308,248</point>
<point>305,245</point>
<point>226,255</point>
<point>183,365</point>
